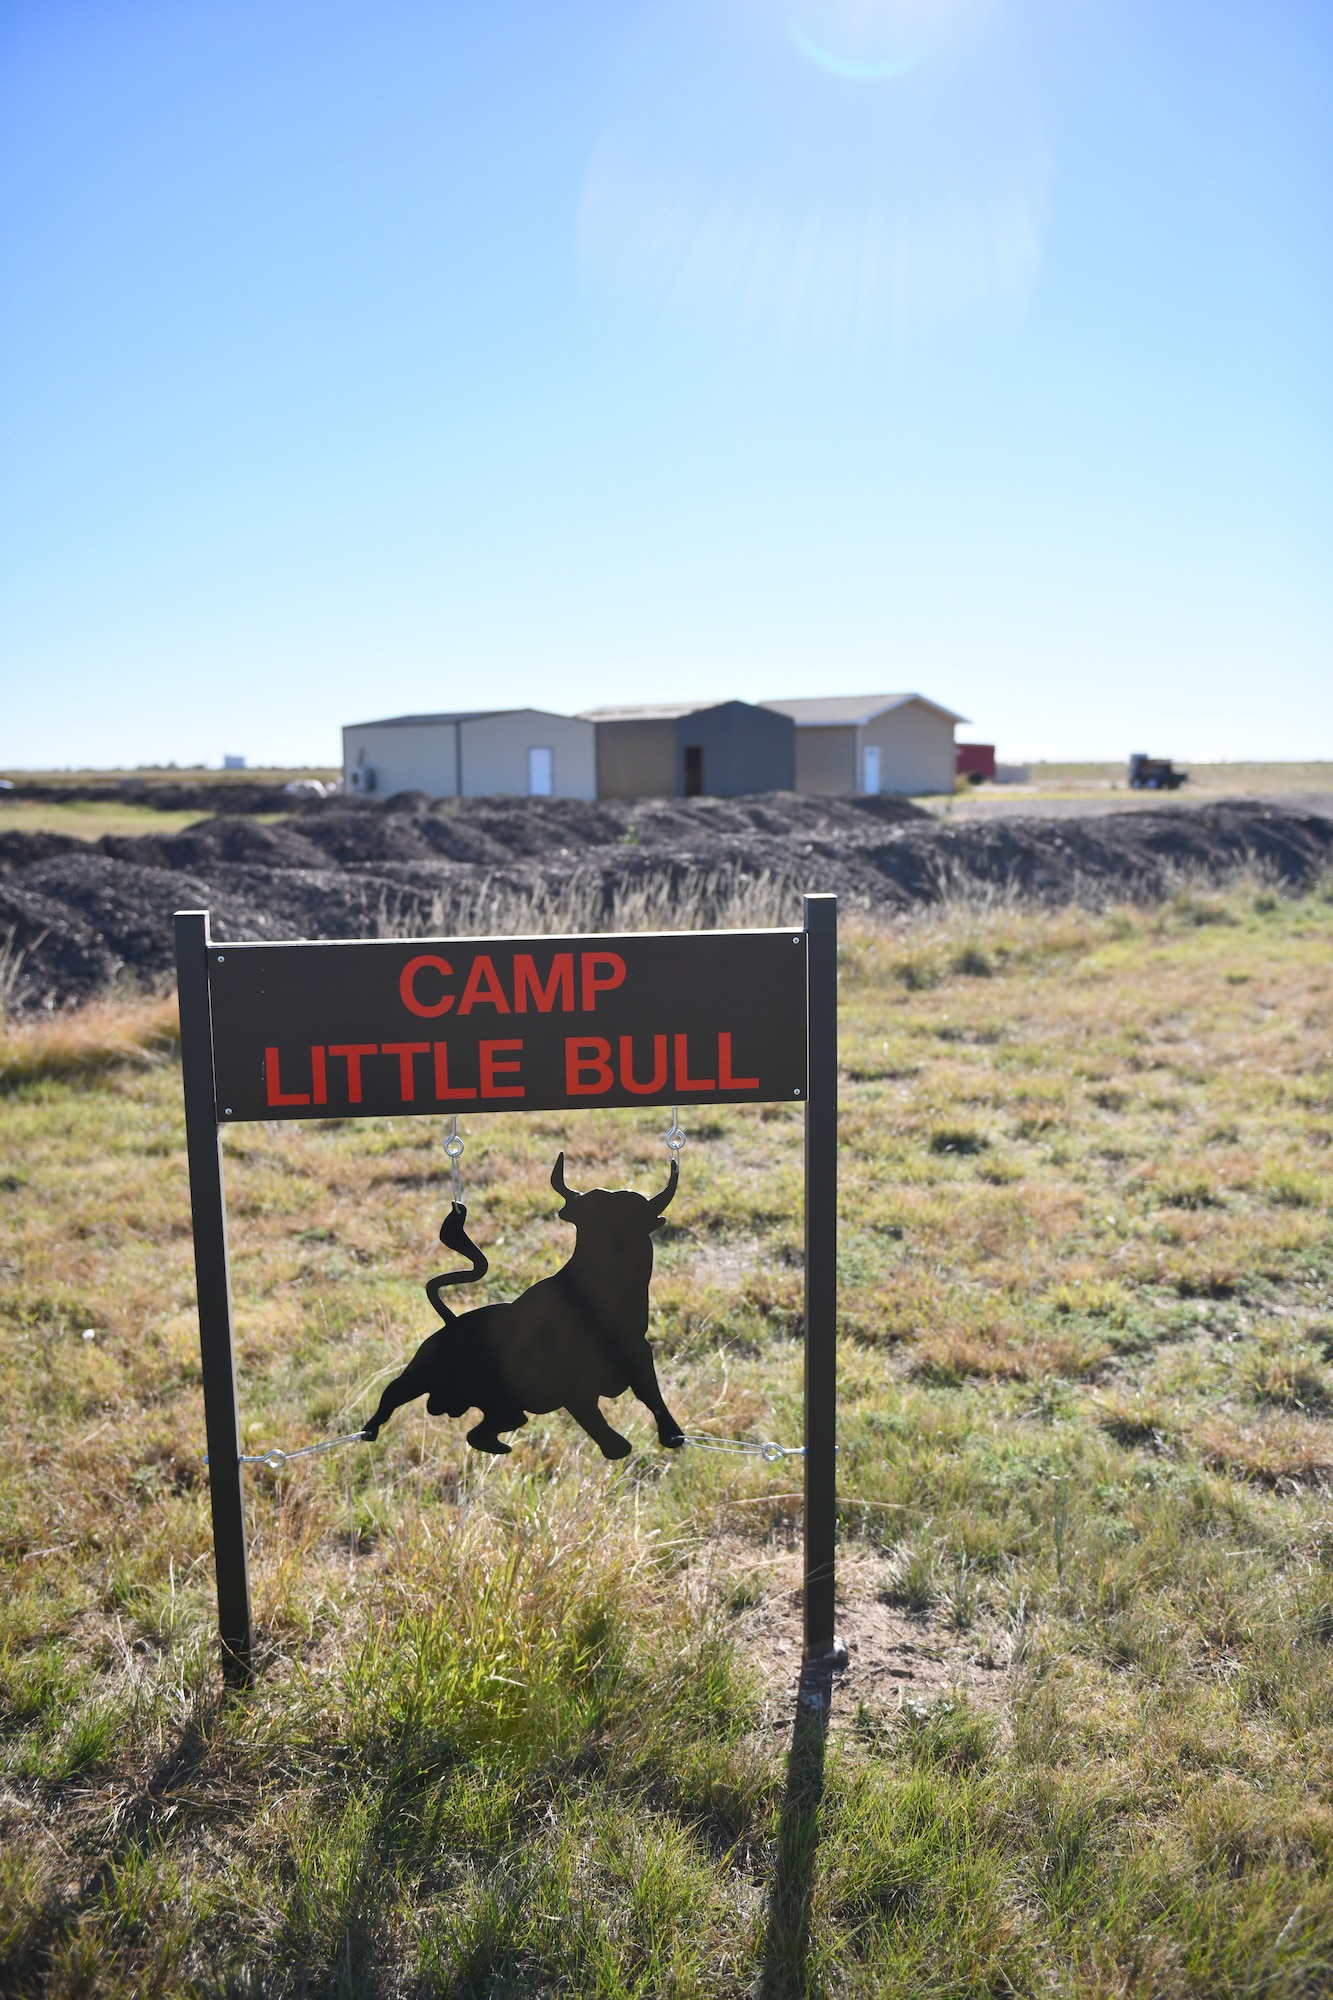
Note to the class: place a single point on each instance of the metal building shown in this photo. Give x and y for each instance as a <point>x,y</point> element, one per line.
<point>473,754</point>
<point>872,743</point>
<point>685,750</point>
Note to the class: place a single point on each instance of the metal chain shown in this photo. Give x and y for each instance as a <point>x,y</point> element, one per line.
<point>751,1448</point>
<point>275,1459</point>
<point>763,1448</point>
<point>453,1152</point>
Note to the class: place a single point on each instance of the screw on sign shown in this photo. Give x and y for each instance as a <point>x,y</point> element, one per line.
<point>410,1028</point>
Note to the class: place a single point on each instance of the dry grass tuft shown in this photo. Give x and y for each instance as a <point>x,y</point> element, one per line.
<point>669,898</point>
<point>1276,1450</point>
<point>86,1041</point>
<point>951,1358</point>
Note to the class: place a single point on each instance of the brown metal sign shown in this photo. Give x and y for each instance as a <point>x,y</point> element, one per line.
<point>393,1029</point>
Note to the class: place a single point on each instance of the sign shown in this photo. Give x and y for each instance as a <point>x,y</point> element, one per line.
<point>389,1029</point>
<point>393,1028</point>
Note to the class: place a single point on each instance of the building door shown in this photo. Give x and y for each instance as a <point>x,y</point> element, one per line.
<point>870,768</point>
<point>694,770</point>
<point>541,773</point>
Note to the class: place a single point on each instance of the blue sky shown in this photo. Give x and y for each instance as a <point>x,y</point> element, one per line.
<point>358,360</point>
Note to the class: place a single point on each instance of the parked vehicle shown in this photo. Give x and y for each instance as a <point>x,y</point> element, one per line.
<point>975,761</point>
<point>1155,774</point>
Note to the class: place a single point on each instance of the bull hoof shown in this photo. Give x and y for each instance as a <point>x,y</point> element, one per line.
<point>617,1447</point>
<point>482,1439</point>
<point>673,1440</point>
<point>370,1431</point>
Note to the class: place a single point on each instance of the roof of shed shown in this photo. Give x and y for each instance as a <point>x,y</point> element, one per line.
<point>453,715</point>
<point>646,711</point>
<point>845,710</point>
<point>657,711</point>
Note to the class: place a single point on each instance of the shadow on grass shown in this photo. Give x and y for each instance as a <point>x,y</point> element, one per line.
<point>787,1938</point>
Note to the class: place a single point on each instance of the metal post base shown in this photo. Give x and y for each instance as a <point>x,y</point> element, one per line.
<point>833,1657</point>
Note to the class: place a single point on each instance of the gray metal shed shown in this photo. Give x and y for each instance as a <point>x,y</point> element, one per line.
<point>686,750</point>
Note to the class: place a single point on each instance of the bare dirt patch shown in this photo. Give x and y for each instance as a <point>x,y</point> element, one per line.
<point>894,1655</point>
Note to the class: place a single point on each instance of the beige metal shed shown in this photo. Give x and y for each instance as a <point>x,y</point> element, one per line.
<point>473,754</point>
<point>872,743</point>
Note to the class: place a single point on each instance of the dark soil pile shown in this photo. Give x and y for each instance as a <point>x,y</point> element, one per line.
<point>84,915</point>
<point>236,795</point>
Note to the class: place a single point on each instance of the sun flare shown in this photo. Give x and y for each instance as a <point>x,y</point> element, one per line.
<point>740,183</point>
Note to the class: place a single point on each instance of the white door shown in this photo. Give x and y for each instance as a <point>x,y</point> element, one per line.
<point>870,768</point>
<point>541,773</point>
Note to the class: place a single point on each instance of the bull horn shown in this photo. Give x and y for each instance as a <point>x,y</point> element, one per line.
<point>657,1202</point>
<point>558,1180</point>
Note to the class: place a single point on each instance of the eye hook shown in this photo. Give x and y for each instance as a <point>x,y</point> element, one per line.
<point>453,1152</point>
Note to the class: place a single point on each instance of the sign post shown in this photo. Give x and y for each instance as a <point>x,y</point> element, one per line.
<point>821,1280</point>
<point>212,1269</point>
<point>404,1028</point>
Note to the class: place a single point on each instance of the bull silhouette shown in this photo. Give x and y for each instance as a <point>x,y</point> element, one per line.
<point>565,1342</point>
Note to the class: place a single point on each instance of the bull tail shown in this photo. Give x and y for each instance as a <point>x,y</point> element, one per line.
<point>454,1236</point>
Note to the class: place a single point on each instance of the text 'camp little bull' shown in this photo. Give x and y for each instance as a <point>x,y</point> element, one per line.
<point>395,1029</point>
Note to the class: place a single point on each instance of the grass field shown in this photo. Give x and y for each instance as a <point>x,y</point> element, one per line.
<point>526,1727</point>
<point>1234,781</point>
<point>89,819</point>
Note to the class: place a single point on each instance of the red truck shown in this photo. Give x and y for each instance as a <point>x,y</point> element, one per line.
<point>975,761</point>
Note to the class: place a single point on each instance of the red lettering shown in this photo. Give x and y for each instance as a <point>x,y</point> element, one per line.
<point>592,985</point>
<point>351,1053</point>
<point>319,1075</point>
<point>442,1089</point>
<point>526,981</point>
<point>273,1083</point>
<point>407,985</point>
<point>405,1051</point>
<point>491,1068</point>
<point>725,1079</point>
<point>627,1066</point>
<point>684,1081</point>
<point>483,970</point>
<point>598,1060</point>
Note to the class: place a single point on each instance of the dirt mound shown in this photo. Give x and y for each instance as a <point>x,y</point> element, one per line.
<point>1140,855</point>
<point>79,916</point>
<point>246,795</point>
